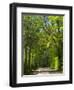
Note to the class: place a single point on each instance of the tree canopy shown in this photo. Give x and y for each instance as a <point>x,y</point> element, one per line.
<point>43,42</point>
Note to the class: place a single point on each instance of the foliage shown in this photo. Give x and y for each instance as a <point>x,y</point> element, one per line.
<point>43,42</point>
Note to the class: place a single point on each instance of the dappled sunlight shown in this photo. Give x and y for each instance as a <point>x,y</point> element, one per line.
<point>43,44</point>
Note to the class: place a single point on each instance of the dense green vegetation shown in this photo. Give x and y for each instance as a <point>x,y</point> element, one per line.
<point>42,42</point>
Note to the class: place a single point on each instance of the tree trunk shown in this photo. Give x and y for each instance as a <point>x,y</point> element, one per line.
<point>29,61</point>
<point>25,66</point>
